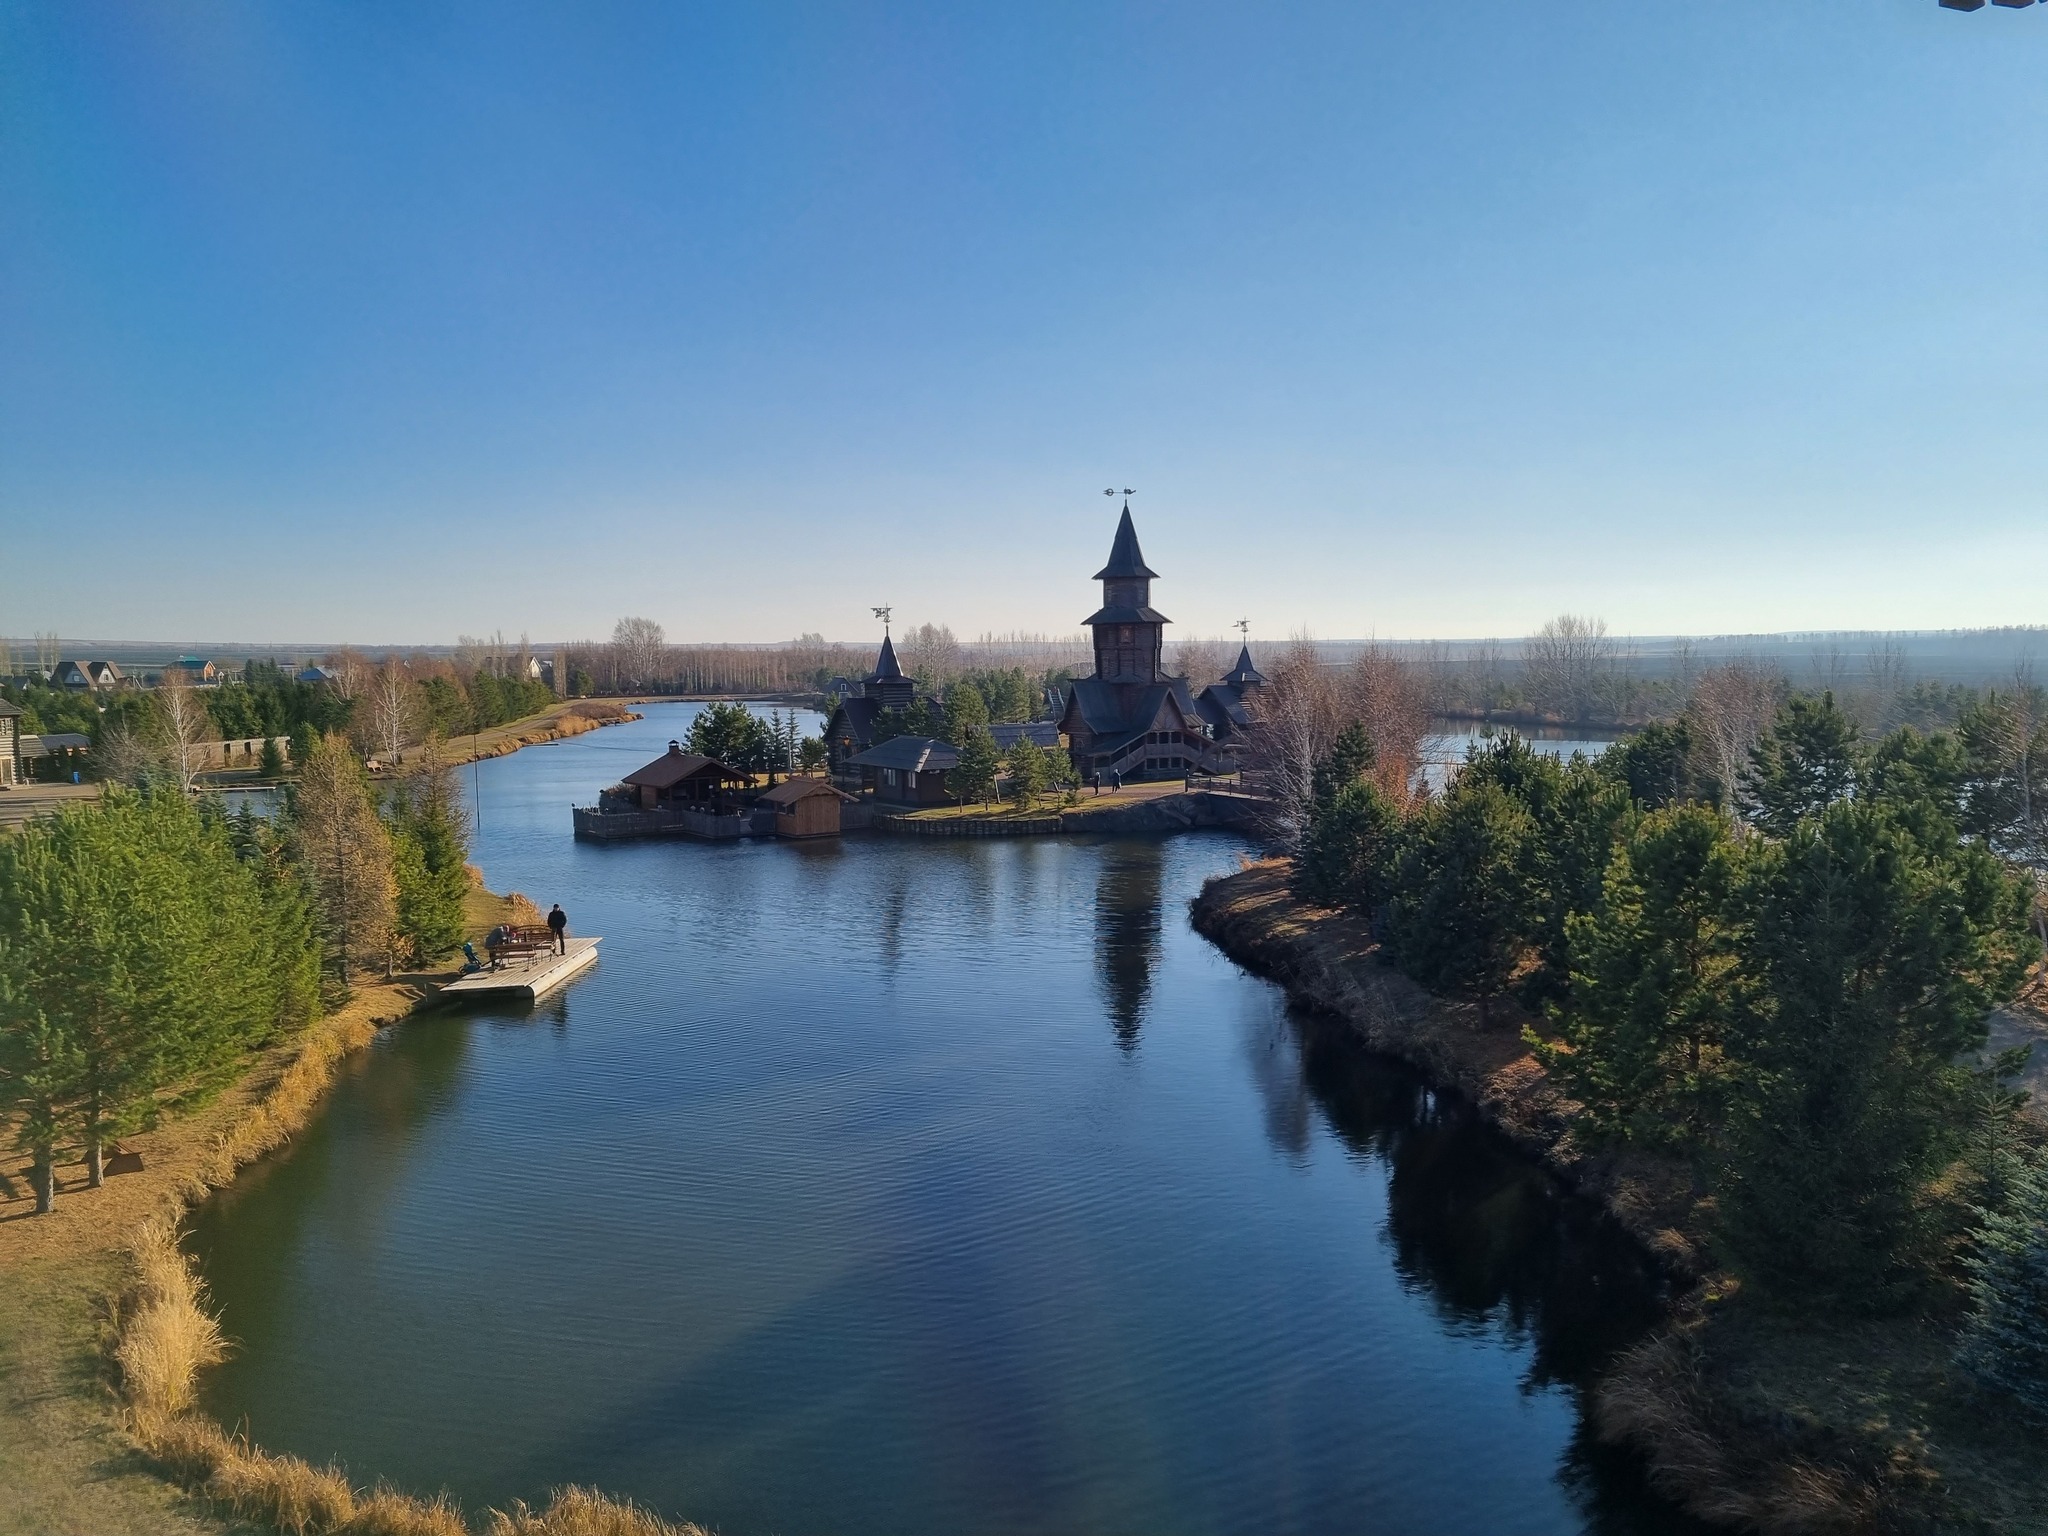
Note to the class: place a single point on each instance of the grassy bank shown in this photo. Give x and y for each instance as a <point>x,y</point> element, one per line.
<point>104,1330</point>
<point>571,718</point>
<point>1763,1420</point>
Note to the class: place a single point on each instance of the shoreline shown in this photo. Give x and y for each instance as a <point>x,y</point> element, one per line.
<point>1758,1421</point>
<point>105,1329</point>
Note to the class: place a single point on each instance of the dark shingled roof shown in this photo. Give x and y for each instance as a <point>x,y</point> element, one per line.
<point>860,719</point>
<point>676,765</point>
<point>1244,672</point>
<point>915,754</point>
<point>1125,561</point>
<point>1040,733</point>
<point>1127,616</point>
<point>8,709</point>
<point>885,664</point>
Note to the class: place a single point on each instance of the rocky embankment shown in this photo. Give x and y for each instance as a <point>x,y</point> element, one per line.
<point>1790,1424</point>
<point>1331,961</point>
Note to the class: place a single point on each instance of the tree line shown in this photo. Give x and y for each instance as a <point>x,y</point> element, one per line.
<point>1779,975</point>
<point>151,942</point>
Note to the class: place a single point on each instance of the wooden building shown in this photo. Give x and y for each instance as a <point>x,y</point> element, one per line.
<point>679,780</point>
<point>908,770</point>
<point>1131,718</point>
<point>851,730</point>
<point>1225,707</point>
<point>805,808</point>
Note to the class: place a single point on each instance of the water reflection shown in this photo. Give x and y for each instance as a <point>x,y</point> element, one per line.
<point>1127,933</point>
<point>849,1206</point>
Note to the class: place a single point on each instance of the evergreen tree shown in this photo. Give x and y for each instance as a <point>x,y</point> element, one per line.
<point>966,712</point>
<point>430,853</point>
<point>271,764</point>
<point>2005,1343</point>
<point>1871,960</point>
<point>1029,773</point>
<point>1456,915</point>
<point>140,958</point>
<point>1350,759</point>
<point>733,734</point>
<point>1642,1032</point>
<point>1346,859</point>
<point>1804,763</point>
<point>1655,765</point>
<point>974,777</point>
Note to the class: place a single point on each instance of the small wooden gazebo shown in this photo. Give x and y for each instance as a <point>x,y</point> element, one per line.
<point>679,780</point>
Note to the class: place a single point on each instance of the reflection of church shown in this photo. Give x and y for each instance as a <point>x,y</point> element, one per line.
<point>1131,718</point>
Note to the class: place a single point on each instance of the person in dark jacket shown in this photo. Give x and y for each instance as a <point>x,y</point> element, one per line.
<point>558,925</point>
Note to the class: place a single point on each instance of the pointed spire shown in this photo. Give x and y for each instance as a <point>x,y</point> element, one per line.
<point>885,664</point>
<point>1244,673</point>
<point>1125,562</point>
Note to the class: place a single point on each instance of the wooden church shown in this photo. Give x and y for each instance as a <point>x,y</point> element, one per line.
<point>1131,718</point>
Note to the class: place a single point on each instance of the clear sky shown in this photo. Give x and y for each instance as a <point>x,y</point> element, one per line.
<point>342,320</point>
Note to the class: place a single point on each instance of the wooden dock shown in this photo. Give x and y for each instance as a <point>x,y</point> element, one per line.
<point>529,978</point>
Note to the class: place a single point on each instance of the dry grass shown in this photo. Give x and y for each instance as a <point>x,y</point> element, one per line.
<point>583,1512</point>
<point>165,1337</point>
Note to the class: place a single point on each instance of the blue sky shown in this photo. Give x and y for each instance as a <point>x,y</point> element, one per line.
<point>384,321</point>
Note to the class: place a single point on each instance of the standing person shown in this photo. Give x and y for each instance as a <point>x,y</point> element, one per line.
<point>558,925</point>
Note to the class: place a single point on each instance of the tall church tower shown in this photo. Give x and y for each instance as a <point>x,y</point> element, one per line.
<point>1129,633</point>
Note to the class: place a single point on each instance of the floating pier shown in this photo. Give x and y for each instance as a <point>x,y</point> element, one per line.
<point>530,977</point>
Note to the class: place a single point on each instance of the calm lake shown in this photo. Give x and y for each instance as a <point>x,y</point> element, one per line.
<point>892,1186</point>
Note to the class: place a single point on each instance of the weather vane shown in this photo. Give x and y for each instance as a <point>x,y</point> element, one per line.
<point>882,613</point>
<point>1243,627</point>
<point>1112,491</point>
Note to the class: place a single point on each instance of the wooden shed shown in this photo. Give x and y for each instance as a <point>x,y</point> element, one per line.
<point>805,808</point>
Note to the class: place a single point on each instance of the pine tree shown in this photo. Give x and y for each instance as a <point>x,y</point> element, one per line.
<point>1805,762</point>
<point>1350,759</point>
<point>966,711</point>
<point>1456,916</point>
<point>1642,1032</point>
<point>1029,773</point>
<point>973,778</point>
<point>2005,1343</point>
<point>1870,961</point>
<point>1346,860</point>
<point>430,850</point>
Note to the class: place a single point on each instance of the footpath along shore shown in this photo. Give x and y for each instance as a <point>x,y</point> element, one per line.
<point>1764,1422</point>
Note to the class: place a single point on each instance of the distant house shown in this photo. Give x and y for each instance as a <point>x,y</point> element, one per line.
<point>908,770</point>
<point>679,780</point>
<point>105,675</point>
<point>193,671</point>
<point>851,730</point>
<point>805,808</point>
<point>841,688</point>
<point>1040,733</point>
<point>66,747</point>
<point>10,744</point>
<point>1225,707</point>
<point>313,675</point>
<point>72,677</point>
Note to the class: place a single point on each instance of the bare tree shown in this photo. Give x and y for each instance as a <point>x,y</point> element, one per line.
<point>931,654</point>
<point>49,652</point>
<point>344,846</point>
<point>637,645</point>
<point>393,704</point>
<point>1391,698</point>
<point>186,727</point>
<point>126,756</point>
<point>1297,716</point>
<point>1567,662</point>
<point>1200,661</point>
<point>1730,709</point>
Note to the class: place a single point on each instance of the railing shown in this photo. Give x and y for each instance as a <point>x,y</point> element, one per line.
<point>606,826</point>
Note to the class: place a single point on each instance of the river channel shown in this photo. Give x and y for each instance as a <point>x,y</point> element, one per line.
<point>915,1187</point>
